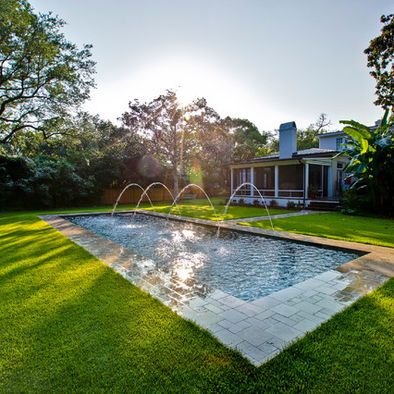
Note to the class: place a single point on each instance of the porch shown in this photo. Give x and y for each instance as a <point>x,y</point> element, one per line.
<point>301,181</point>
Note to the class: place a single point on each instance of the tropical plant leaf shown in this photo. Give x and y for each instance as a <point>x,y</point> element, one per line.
<point>362,129</point>
<point>357,135</point>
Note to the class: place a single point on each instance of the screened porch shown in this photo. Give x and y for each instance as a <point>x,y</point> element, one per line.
<point>305,180</point>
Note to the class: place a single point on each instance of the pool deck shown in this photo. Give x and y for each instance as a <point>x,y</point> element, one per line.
<point>259,329</point>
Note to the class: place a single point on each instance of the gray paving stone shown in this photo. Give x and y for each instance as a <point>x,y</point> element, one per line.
<point>263,324</point>
<point>197,302</point>
<point>231,301</point>
<point>277,342</point>
<point>207,318</point>
<point>268,348</point>
<point>233,315</point>
<point>308,307</point>
<point>218,294</point>
<point>217,303</point>
<point>285,294</point>
<point>307,294</point>
<point>238,327</point>
<point>333,310</point>
<point>226,324</point>
<point>314,299</point>
<point>266,302</point>
<point>284,332</point>
<point>310,284</point>
<point>324,314</point>
<point>285,310</point>
<point>253,353</point>
<point>327,290</point>
<point>263,315</point>
<point>255,335</point>
<point>332,305</point>
<point>249,309</point>
<point>213,328</point>
<point>228,337</point>
<point>316,318</point>
<point>213,308</point>
<point>290,322</point>
<point>328,275</point>
<point>306,325</point>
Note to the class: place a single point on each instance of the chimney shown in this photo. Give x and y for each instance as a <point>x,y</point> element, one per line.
<point>287,140</point>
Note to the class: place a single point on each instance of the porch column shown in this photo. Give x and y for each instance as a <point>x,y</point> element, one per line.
<point>231,180</point>
<point>306,180</point>
<point>276,181</point>
<point>251,181</point>
<point>329,183</point>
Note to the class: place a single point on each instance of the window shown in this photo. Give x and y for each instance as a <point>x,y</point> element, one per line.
<point>241,175</point>
<point>265,177</point>
<point>339,142</point>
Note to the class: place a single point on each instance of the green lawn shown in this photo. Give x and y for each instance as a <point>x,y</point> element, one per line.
<point>70,323</point>
<point>369,230</point>
<point>201,209</point>
<point>192,208</point>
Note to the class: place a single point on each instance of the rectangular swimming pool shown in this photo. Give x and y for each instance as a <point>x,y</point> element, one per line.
<point>246,266</point>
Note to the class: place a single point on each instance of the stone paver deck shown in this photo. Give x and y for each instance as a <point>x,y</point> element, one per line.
<point>262,328</point>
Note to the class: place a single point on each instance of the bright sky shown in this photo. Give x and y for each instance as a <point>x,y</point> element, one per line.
<point>267,61</point>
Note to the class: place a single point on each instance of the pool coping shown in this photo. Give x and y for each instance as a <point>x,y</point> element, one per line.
<point>258,329</point>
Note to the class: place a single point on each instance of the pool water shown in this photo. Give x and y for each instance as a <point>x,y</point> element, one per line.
<point>244,265</point>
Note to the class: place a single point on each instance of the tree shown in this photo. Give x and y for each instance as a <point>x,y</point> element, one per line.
<point>170,131</point>
<point>380,55</point>
<point>43,77</point>
<point>248,140</point>
<point>308,138</point>
<point>371,166</point>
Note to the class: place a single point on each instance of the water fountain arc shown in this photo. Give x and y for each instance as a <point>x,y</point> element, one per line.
<point>121,194</point>
<point>202,190</point>
<point>145,193</point>
<point>235,192</point>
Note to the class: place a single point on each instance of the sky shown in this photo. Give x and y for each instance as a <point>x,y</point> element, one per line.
<point>266,61</point>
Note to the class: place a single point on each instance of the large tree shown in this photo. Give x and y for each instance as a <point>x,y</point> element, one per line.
<point>43,76</point>
<point>248,140</point>
<point>381,60</point>
<point>171,131</point>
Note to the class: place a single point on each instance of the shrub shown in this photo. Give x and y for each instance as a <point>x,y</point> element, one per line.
<point>241,201</point>
<point>256,202</point>
<point>273,203</point>
<point>291,204</point>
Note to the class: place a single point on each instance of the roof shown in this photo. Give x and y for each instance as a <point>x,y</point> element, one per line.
<point>330,134</point>
<point>312,152</point>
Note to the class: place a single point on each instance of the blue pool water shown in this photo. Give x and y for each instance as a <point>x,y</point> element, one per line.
<point>244,265</point>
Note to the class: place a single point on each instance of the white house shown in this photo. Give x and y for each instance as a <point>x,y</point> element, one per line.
<point>310,177</point>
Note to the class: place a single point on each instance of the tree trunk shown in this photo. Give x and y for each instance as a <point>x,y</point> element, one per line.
<point>175,182</point>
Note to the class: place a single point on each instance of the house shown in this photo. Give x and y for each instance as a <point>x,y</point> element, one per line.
<point>311,177</point>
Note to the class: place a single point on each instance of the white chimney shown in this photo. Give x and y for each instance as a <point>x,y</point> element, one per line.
<point>287,140</point>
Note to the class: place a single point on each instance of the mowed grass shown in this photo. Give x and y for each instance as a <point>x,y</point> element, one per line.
<point>68,323</point>
<point>369,230</point>
<point>199,208</point>
<point>203,210</point>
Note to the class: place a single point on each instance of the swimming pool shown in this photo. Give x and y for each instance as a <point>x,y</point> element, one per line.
<point>247,266</point>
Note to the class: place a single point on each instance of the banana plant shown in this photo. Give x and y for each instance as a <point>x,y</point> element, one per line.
<point>370,169</point>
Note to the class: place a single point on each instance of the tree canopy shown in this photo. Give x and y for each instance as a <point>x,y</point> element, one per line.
<point>43,76</point>
<point>380,55</point>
